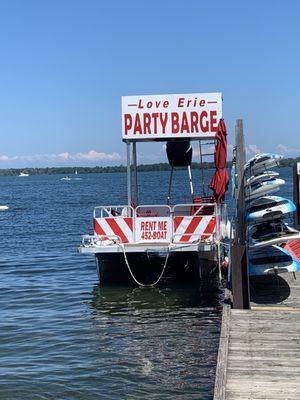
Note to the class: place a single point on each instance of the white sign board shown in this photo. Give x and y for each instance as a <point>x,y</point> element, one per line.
<point>153,229</point>
<point>171,116</point>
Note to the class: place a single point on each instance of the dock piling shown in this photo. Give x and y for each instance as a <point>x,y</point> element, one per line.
<point>239,266</point>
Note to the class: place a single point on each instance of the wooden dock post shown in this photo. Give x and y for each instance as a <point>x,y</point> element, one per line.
<point>240,276</point>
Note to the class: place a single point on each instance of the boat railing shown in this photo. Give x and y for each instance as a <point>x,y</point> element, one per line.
<point>194,209</point>
<point>187,238</point>
<point>113,211</point>
<point>154,210</point>
<point>99,240</point>
<point>222,222</point>
<point>153,223</point>
<point>161,223</point>
<point>194,223</point>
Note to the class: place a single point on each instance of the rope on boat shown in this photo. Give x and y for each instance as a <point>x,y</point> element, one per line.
<point>219,261</point>
<point>165,264</point>
<point>132,275</point>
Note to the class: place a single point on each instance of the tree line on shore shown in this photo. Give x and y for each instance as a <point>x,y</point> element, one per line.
<point>287,162</point>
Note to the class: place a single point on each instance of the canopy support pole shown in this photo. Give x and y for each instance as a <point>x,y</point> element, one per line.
<point>170,185</point>
<point>191,181</point>
<point>202,170</point>
<point>128,174</point>
<point>135,177</point>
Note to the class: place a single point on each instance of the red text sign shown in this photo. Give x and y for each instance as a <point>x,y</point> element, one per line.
<point>153,229</point>
<point>180,116</point>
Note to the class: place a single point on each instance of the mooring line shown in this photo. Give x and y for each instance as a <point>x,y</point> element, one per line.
<point>132,275</point>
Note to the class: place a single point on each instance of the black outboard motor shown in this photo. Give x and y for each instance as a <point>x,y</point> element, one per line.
<point>180,154</point>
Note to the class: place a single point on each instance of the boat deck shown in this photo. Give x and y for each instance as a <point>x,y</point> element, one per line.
<point>143,247</point>
<point>259,353</point>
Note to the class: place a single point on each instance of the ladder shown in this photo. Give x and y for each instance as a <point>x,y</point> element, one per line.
<point>202,155</point>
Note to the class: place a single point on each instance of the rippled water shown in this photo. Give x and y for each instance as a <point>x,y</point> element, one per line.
<point>63,336</point>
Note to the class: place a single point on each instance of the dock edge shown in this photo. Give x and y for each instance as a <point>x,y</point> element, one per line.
<point>221,369</point>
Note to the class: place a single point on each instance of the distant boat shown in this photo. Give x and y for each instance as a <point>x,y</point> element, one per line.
<point>23,174</point>
<point>3,208</point>
<point>66,178</point>
<point>75,172</point>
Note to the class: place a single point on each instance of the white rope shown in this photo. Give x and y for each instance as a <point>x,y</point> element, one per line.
<point>219,261</point>
<point>132,275</point>
<point>165,264</point>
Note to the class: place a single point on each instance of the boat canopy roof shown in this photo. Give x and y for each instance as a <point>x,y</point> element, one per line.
<point>179,139</point>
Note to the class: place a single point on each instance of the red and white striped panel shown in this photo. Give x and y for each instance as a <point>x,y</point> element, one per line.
<point>190,229</point>
<point>121,227</point>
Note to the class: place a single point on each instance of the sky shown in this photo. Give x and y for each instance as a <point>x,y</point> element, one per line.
<point>66,63</point>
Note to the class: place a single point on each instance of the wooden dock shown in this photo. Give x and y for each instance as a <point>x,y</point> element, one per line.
<point>259,351</point>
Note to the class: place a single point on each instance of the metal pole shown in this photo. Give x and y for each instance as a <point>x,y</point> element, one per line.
<point>202,170</point>
<point>191,181</point>
<point>128,175</point>
<point>135,177</point>
<point>240,275</point>
<point>170,185</point>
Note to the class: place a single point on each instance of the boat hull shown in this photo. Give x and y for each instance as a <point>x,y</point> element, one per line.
<point>147,267</point>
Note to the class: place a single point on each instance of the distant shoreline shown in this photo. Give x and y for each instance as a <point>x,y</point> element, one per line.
<point>287,162</point>
<point>94,170</point>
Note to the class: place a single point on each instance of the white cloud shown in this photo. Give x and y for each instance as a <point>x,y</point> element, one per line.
<point>91,156</point>
<point>282,148</point>
<point>63,156</point>
<point>253,148</point>
<point>96,156</point>
<point>288,151</point>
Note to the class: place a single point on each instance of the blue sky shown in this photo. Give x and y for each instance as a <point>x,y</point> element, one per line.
<point>65,65</point>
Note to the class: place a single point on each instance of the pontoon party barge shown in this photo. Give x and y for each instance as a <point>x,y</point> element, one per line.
<point>147,244</point>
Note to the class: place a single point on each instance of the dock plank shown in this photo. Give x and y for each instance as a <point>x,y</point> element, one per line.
<point>263,346</point>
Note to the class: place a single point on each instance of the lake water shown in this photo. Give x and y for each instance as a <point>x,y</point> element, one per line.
<point>63,336</point>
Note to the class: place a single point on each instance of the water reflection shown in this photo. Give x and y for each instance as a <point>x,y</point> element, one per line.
<point>161,342</point>
<point>116,299</point>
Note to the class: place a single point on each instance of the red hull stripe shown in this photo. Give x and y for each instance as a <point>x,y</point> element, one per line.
<point>97,228</point>
<point>116,229</point>
<point>190,229</point>
<point>209,229</point>
<point>177,222</point>
<point>129,222</point>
